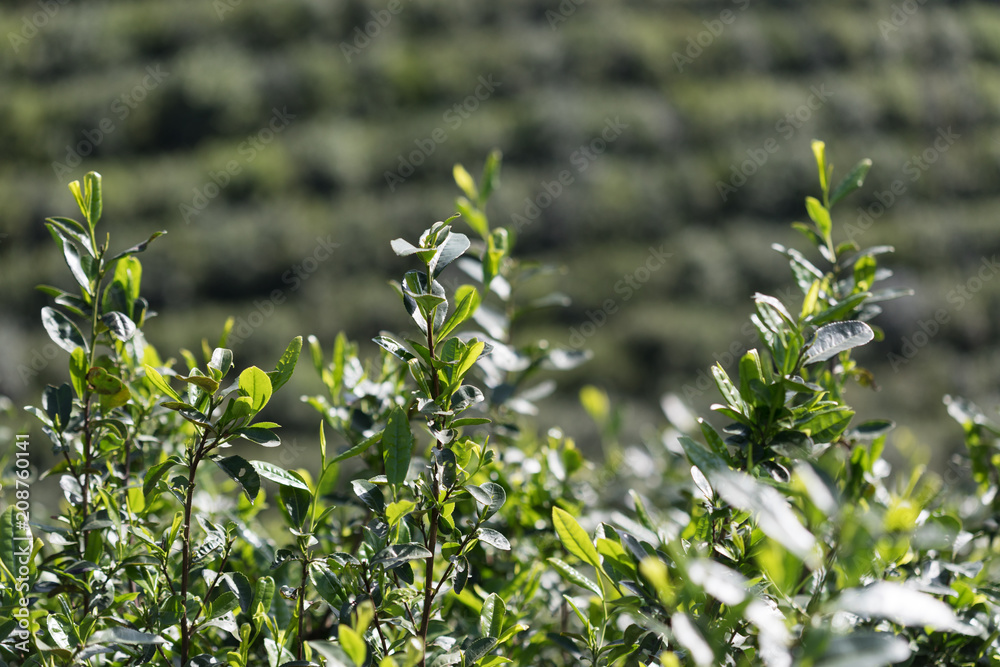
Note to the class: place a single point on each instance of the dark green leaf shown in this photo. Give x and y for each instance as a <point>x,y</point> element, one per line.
<point>138,247</point>
<point>492,616</point>
<point>397,554</point>
<point>120,326</point>
<point>261,436</point>
<point>397,446</point>
<point>359,448</point>
<point>62,331</point>
<point>478,648</point>
<point>297,502</point>
<point>326,583</point>
<point>125,636</point>
<point>241,472</point>
<point>854,180</point>
<point>370,495</point>
<point>871,429</point>
<point>156,473</point>
<point>393,348</point>
<point>58,404</point>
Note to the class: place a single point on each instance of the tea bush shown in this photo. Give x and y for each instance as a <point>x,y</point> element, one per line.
<point>441,528</point>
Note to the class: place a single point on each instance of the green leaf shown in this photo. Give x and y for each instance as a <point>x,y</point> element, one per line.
<point>112,391</point>
<point>352,643</point>
<point>255,385</point>
<point>359,448</point>
<point>397,446</point>
<point>864,649</point>
<point>493,538</point>
<point>138,247</point>
<point>156,473</point>
<point>397,510</point>
<point>473,217</point>
<point>221,362</point>
<point>819,152</point>
<point>468,302</point>
<point>819,215</point>
<point>453,247</point>
<point>479,648</point>
<point>208,384</point>
<point>224,603</point>
<point>120,326</point>
<point>492,616</point>
<point>297,502</point>
<point>574,576</point>
<point>700,457</point>
<point>58,404</point>
<point>153,377</point>
<point>326,583</point>
<point>62,331</point>
<point>770,509</point>
<point>263,594</point>
<point>241,472</point>
<point>832,339</point>
<point>392,347</point>
<point>574,539</point>
<point>125,636</point>
<point>278,475</point>
<point>497,497</point>
<point>852,181</point>
<point>370,495</point>
<point>94,197</point>
<point>286,365</point>
<point>729,390</point>
<point>491,175</point>
<point>78,367</point>
<point>903,606</point>
<point>395,555</point>
<point>261,436</point>
<point>464,181</point>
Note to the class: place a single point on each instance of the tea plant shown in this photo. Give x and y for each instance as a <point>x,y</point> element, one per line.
<point>438,527</point>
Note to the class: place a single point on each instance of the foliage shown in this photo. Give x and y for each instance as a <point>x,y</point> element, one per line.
<point>442,529</point>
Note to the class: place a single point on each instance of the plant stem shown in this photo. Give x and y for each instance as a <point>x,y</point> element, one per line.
<point>302,605</point>
<point>429,568</point>
<point>186,547</point>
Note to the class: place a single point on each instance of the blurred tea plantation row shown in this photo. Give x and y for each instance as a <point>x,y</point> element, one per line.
<point>283,144</point>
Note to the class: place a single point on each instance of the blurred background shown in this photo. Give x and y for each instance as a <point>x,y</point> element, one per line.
<point>284,144</point>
